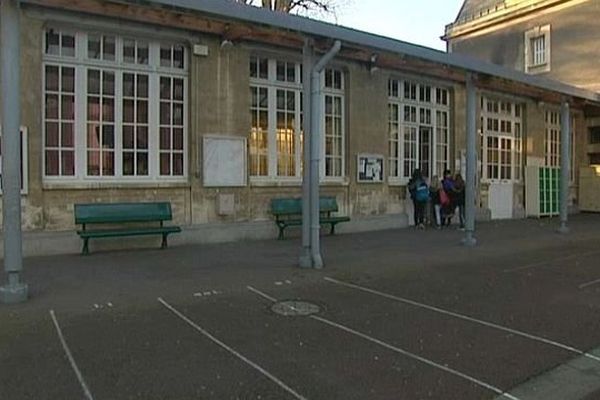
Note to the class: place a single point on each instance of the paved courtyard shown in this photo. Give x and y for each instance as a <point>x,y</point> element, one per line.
<point>399,314</point>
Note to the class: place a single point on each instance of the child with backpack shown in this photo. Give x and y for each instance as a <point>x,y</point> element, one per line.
<point>419,193</point>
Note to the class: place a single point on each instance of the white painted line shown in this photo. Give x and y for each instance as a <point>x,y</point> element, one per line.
<point>464,317</point>
<point>416,357</point>
<point>397,349</point>
<point>264,295</point>
<point>232,351</point>
<point>542,263</point>
<point>86,390</point>
<point>589,284</point>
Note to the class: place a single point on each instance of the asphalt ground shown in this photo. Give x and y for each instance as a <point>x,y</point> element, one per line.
<point>402,314</point>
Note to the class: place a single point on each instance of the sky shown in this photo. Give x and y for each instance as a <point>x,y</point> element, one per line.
<point>415,21</point>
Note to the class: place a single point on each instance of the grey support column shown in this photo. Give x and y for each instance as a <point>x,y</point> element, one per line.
<point>308,62</point>
<point>565,165</point>
<point>316,129</point>
<point>15,290</point>
<point>471,184</point>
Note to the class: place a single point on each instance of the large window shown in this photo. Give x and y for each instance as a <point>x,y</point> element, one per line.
<point>552,142</point>
<point>115,108</point>
<point>275,139</point>
<point>419,129</point>
<point>501,151</point>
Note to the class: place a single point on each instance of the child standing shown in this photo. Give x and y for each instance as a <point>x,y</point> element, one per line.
<point>436,203</point>
<point>419,193</point>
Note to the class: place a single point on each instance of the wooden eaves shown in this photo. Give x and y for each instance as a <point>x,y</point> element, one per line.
<point>173,15</point>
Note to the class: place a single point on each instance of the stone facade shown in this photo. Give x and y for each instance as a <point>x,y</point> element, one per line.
<point>219,104</point>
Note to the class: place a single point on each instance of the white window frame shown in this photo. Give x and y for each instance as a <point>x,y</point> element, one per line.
<point>81,63</point>
<point>24,161</point>
<point>514,135</point>
<point>423,96</point>
<point>273,85</point>
<point>538,60</point>
<point>553,128</point>
<point>334,92</point>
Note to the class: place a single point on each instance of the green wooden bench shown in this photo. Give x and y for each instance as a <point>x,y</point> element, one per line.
<point>288,212</point>
<point>137,215</point>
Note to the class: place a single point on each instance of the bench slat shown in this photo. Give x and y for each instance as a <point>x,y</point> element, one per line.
<point>128,232</point>
<point>101,213</point>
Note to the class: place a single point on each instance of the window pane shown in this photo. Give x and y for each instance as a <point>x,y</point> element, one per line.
<point>142,137</point>
<point>94,81</point>
<point>178,57</point>
<point>68,80</point>
<point>142,86</point>
<point>52,106</point>
<point>165,139</point>
<point>142,163</point>
<point>128,85</point>
<point>68,45</point>
<point>177,164</point>
<point>52,42</point>
<point>128,137</point>
<point>52,162</point>
<point>178,89</point>
<point>129,51</point>
<point>142,53</point>
<point>128,162</point>
<point>68,163</point>
<point>51,134</point>
<point>66,135</point>
<point>165,163</point>
<point>68,107</point>
<point>165,56</point>
<point>109,48</point>
<point>51,78</point>
<point>94,47</point>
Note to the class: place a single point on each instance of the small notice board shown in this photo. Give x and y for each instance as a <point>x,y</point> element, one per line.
<point>370,168</point>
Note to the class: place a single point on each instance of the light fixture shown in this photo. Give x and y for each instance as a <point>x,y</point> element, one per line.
<point>373,63</point>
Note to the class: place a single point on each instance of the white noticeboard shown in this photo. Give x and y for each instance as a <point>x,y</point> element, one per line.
<point>224,161</point>
<point>370,168</point>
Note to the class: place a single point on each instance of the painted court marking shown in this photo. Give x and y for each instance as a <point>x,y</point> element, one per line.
<point>232,351</point>
<point>589,284</point>
<point>464,317</point>
<point>395,349</point>
<point>543,263</point>
<point>86,390</point>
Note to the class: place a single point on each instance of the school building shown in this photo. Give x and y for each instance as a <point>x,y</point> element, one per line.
<point>199,103</point>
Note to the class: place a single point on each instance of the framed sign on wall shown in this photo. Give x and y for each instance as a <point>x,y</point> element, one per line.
<point>370,168</point>
<point>224,161</point>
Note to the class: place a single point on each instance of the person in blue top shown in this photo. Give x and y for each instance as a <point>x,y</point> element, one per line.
<point>419,193</point>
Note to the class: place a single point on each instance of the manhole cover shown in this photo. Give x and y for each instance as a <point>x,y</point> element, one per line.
<point>294,308</point>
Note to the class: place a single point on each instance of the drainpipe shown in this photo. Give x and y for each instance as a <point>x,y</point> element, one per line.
<point>15,291</point>
<point>308,63</point>
<point>316,130</point>
<point>471,159</point>
<point>565,165</point>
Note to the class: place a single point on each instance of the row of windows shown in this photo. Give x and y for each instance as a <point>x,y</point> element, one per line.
<point>115,107</point>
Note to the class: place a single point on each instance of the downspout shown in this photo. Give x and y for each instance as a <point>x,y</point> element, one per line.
<point>316,135</point>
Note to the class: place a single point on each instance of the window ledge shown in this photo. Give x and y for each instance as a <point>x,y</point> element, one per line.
<point>113,185</point>
<point>295,182</point>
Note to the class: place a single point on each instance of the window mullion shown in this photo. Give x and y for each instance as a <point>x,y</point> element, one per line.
<point>118,145</point>
<point>80,135</point>
<point>272,132</point>
<point>153,125</point>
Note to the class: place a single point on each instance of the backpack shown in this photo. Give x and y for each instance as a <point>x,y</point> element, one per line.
<point>422,193</point>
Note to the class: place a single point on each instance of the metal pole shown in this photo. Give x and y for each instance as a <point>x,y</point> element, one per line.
<point>15,291</point>
<point>471,184</point>
<point>307,66</point>
<point>316,129</point>
<point>565,163</point>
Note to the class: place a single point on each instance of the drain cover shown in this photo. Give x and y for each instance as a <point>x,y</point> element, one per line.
<point>294,308</point>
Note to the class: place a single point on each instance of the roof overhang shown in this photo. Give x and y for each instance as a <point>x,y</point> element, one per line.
<point>293,29</point>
